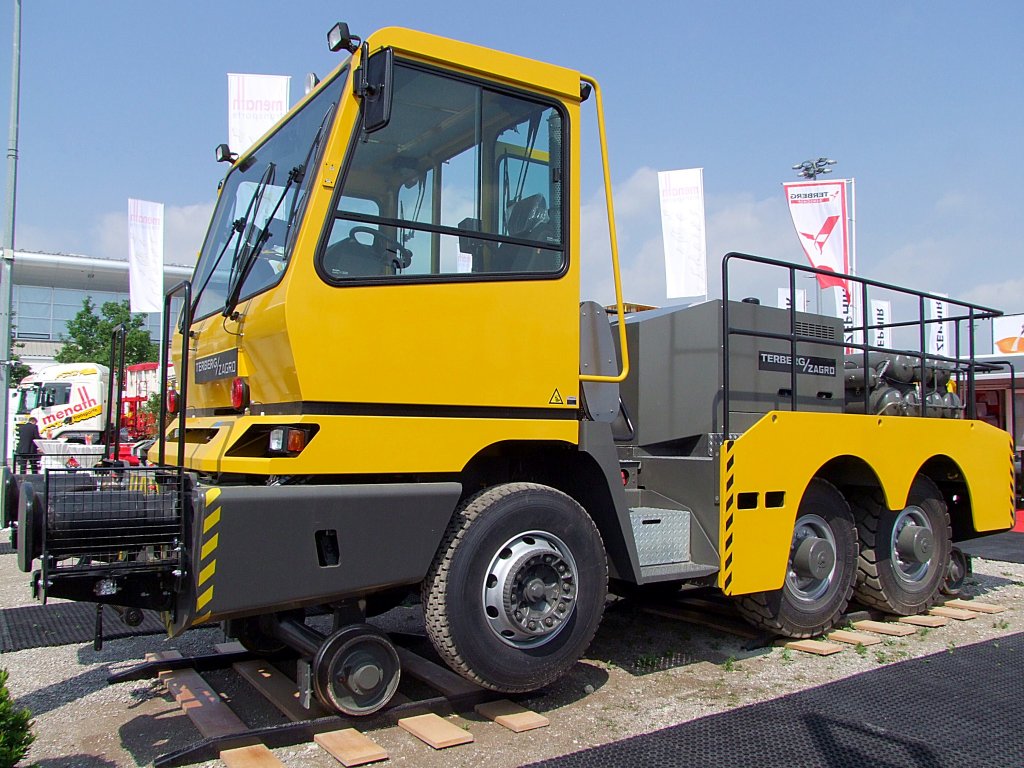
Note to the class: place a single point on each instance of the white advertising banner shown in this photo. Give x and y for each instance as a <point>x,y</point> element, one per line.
<point>1008,334</point>
<point>801,299</point>
<point>145,255</point>
<point>939,334</point>
<point>881,316</point>
<point>819,212</point>
<point>682,231</point>
<point>255,103</point>
<point>848,309</point>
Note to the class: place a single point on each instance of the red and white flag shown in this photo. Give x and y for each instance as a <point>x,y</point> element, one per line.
<point>819,211</point>
<point>255,104</point>
<point>145,255</point>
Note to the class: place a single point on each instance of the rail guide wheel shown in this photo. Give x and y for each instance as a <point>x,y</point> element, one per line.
<point>356,670</point>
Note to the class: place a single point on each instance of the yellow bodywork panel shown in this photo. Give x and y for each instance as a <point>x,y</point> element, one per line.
<point>368,444</point>
<point>765,471</point>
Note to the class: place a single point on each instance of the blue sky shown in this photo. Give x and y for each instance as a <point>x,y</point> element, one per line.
<point>921,102</point>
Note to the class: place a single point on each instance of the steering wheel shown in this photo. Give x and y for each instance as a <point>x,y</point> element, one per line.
<point>387,249</point>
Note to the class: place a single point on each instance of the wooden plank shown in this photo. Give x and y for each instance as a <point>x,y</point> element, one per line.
<point>853,638</point>
<point>924,621</point>
<point>441,679</point>
<point>350,747</point>
<point>976,606</point>
<point>256,756</point>
<point>512,716</point>
<point>435,731</point>
<point>279,689</point>
<point>884,628</point>
<point>211,716</point>
<point>953,613</point>
<point>817,647</point>
<point>232,646</point>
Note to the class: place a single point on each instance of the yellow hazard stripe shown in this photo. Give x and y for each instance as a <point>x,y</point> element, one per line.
<point>208,546</point>
<point>211,520</point>
<point>204,598</point>
<point>206,573</point>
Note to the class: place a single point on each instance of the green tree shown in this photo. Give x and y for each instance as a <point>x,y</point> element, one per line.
<point>89,334</point>
<point>15,728</point>
<point>18,370</point>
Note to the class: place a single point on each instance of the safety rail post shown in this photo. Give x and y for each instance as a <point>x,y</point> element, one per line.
<point>185,324</point>
<point>726,332</point>
<point>112,423</point>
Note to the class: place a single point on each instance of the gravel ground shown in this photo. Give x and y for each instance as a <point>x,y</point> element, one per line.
<point>641,673</point>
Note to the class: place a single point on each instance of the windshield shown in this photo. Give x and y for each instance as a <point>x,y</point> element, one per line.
<point>260,205</point>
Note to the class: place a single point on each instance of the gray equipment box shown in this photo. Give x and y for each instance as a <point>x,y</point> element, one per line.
<point>674,391</point>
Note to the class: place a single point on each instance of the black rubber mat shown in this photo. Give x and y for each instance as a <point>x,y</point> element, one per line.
<point>952,709</point>
<point>35,626</point>
<point>1007,547</point>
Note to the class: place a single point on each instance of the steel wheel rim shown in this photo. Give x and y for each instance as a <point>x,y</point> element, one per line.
<point>808,589</point>
<point>529,590</point>
<point>907,570</point>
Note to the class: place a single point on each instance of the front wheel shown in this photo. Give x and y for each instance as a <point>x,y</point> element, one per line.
<point>821,570</point>
<point>517,588</point>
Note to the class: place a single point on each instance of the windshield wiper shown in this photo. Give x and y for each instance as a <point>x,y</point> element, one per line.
<point>251,247</point>
<point>300,174</point>
<point>236,228</point>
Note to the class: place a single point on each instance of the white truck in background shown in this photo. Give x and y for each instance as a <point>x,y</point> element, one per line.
<point>69,402</point>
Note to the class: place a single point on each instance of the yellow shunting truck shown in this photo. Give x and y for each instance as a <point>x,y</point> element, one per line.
<point>390,386</point>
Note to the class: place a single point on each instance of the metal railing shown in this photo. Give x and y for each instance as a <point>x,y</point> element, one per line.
<point>963,367</point>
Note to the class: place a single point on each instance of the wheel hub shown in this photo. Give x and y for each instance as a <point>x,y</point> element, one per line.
<point>530,589</point>
<point>912,545</point>
<point>812,559</point>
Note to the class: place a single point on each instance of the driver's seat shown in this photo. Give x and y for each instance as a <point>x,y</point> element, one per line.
<point>527,220</point>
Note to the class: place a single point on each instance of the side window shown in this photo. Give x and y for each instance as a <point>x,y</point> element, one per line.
<point>467,181</point>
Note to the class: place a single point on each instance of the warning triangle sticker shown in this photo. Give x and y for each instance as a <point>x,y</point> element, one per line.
<point>556,399</point>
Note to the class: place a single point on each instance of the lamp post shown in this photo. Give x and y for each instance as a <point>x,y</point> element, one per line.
<point>7,263</point>
<point>812,169</point>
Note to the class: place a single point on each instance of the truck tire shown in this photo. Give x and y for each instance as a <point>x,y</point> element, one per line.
<point>904,554</point>
<point>517,588</point>
<point>821,571</point>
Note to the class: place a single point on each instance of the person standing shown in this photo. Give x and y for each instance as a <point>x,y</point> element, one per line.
<point>27,452</point>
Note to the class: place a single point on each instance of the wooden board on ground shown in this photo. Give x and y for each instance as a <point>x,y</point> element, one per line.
<point>853,638</point>
<point>512,716</point>
<point>924,621</point>
<point>350,747</point>
<point>976,606</point>
<point>441,679</point>
<point>953,613</point>
<point>210,715</point>
<point>204,707</point>
<point>817,647</point>
<point>435,731</point>
<point>884,628</point>
<point>256,756</point>
<point>232,646</point>
<point>279,689</point>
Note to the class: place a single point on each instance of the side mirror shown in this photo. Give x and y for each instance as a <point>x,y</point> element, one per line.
<point>376,91</point>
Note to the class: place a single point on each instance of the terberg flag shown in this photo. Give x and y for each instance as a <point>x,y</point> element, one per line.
<point>145,255</point>
<point>820,216</point>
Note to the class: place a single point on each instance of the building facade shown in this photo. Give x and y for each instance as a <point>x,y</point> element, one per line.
<point>48,289</point>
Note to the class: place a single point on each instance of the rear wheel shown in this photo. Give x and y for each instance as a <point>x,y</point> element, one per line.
<point>517,588</point>
<point>904,554</point>
<point>821,570</point>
